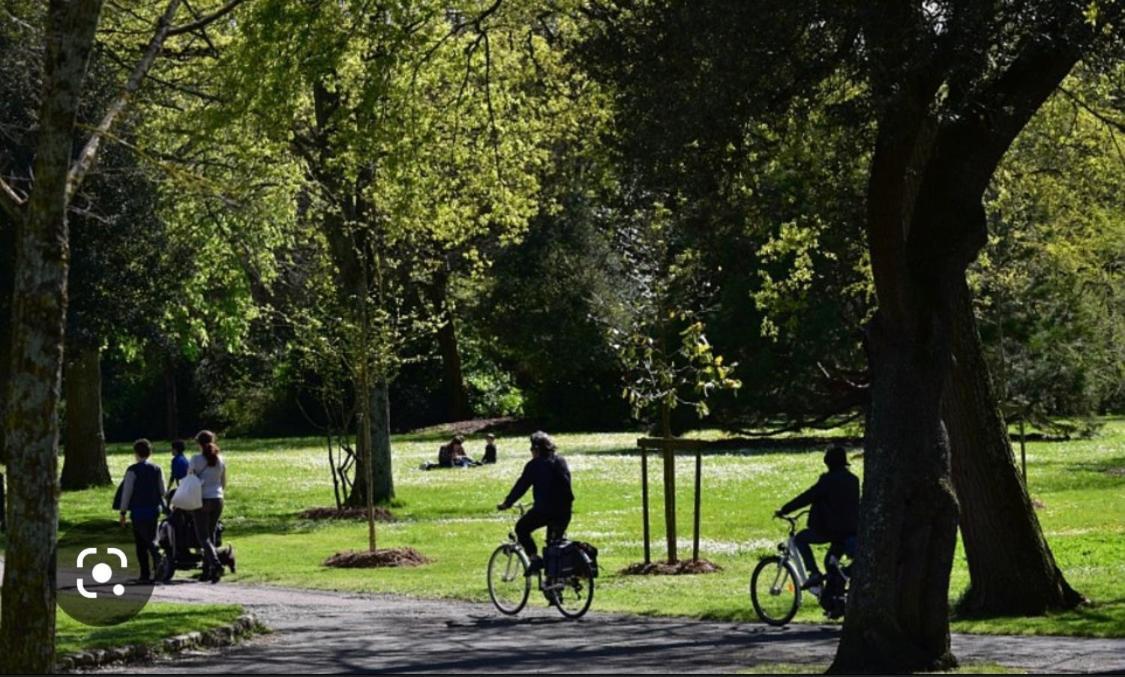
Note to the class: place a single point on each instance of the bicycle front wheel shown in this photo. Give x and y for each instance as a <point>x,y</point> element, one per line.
<point>508,586</point>
<point>775,591</point>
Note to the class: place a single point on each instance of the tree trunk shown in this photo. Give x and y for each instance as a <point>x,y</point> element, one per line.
<point>7,245</point>
<point>84,464</point>
<point>381,442</point>
<point>171,401</point>
<point>453,376</point>
<point>1011,568</point>
<point>897,616</point>
<point>27,615</point>
<point>453,372</point>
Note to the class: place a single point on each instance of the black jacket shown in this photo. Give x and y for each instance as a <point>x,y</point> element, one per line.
<point>835,504</point>
<point>549,479</point>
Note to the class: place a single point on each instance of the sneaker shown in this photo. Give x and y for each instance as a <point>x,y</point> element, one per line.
<point>534,567</point>
<point>814,581</point>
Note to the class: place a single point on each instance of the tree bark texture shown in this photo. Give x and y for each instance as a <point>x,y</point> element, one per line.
<point>84,461</point>
<point>380,416</point>
<point>1011,568</point>
<point>27,615</point>
<point>7,246</point>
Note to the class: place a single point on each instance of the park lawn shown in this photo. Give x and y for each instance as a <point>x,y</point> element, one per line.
<point>157,621</point>
<point>449,516</point>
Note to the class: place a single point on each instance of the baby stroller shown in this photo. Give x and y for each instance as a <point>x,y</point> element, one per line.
<point>177,539</point>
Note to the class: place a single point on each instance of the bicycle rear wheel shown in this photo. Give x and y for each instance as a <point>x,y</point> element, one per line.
<point>574,593</point>
<point>507,585</point>
<point>775,591</point>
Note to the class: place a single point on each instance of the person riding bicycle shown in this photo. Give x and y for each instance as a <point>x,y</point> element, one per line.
<point>834,515</point>
<point>549,478</point>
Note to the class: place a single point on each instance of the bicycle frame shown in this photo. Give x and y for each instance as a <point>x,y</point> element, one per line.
<point>790,553</point>
<point>514,546</point>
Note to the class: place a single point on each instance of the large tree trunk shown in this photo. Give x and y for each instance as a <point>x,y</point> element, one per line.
<point>381,441</point>
<point>897,617</point>
<point>1011,568</point>
<point>84,463</point>
<point>7,245</point>
<point>27,615</point>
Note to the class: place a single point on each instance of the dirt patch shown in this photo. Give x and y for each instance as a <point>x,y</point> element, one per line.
<point>1115,472</point>
<point>381,514</point>
<point>682,568</point>
<point>367,559</point>
<point>506,424</point>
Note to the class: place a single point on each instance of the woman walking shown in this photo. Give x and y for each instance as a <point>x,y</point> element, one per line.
<point>208,466</point>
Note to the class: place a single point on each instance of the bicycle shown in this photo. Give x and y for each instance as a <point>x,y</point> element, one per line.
<point>571,592</point>
<point>778,580</point>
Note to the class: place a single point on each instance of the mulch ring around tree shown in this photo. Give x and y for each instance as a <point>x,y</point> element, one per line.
<point>381,514</point>
<point>681,568</point>
<point>368,559</point>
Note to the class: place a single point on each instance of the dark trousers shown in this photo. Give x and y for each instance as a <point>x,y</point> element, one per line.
<point>807,537</point>
<point>144,537</point>
<point>804,540</point>
<point>205,520</point>
<point>535,518</point>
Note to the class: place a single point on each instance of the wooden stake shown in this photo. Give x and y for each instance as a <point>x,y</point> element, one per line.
<point>644,501</point>
<point>669,482</point>
<point>695,535</point>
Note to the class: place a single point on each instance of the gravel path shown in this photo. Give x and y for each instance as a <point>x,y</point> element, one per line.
<point>337,632</point>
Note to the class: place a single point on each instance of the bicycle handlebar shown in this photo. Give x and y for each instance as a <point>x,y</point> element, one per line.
<point>792,519</point>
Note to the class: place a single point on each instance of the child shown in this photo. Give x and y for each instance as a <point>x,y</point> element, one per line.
<point>180,463</point>
<point>142,494</point>
<point>489,449</point>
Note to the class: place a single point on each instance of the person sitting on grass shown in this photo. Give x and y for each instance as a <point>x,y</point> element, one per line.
<point>453,455</point>
<point>834,516</point>
<point>180,463</point>
<point>489,449</point>
<point>142,495</point>
<point>548,475</point>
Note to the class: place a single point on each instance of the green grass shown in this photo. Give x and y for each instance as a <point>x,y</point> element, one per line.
<point>449,515</point>
<point>156,621</point>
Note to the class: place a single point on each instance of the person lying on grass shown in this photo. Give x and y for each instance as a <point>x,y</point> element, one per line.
<point>549,478</point>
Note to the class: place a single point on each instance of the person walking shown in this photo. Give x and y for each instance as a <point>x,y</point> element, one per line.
<point>209,467</point>
<point>142,496</point>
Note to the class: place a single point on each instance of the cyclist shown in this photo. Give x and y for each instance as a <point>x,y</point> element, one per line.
<point>549,478</point>
<point>834,515</point>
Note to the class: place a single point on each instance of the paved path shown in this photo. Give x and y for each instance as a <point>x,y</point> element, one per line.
<point>336,632</point>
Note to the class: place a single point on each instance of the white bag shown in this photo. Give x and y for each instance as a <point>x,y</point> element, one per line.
<point>189,495</point>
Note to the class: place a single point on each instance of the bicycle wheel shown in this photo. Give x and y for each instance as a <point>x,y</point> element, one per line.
<point>775,591</point>
<point>574,593</point>
<point>507,585</point>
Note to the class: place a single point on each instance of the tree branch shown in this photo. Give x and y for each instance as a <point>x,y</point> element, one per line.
<point>10,201</point>
<point>205,21</point>
<point>89,152</point>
